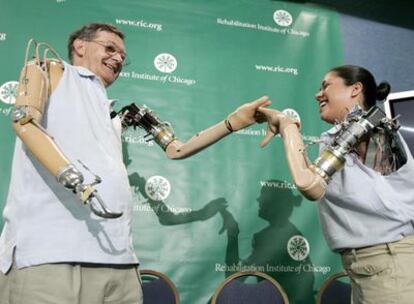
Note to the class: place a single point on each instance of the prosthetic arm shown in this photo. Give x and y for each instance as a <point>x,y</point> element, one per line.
<point>312,178</point>
<point>162,133</point>
<point>39,77</point>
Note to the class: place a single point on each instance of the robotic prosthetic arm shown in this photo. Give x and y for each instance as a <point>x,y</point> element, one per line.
<point>37,80</point>
<point>309,183</point>
<point>164,136</point>
<point>312,178</point>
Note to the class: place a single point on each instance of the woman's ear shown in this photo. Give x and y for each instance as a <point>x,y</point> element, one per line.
<point>357,88</point>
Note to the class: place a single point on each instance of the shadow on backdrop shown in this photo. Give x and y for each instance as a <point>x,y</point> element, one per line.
<point>269,246</point>
<point>164,213</point>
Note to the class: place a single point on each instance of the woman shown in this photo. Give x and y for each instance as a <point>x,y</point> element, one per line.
<point>367,208</point>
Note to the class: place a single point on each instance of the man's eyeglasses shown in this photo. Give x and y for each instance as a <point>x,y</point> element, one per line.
<point>112,50</point>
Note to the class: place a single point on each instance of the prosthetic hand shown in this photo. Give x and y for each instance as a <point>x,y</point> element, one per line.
<point>162,133</point>
<point>247,114</point>
<point>312,178</point>
<point>39,77</point>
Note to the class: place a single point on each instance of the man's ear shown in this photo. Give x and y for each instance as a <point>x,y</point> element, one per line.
<point>357,88</point>
<point>79,47</point>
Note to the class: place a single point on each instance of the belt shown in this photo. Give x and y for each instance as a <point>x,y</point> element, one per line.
<point>405,245</point>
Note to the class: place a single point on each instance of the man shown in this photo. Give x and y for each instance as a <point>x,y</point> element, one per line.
<point>53,249</point>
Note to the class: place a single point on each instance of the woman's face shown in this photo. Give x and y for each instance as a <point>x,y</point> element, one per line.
<point>336,99</point>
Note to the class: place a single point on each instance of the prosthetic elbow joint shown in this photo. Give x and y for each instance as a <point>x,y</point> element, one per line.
<point>143,117</point>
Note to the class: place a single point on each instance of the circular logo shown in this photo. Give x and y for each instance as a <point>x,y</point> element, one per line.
<point>292,114</point>
<point>298,248</point>
<point>165,63</point>
<point>282,18</point>
<point>8,92</point>
<point>157,188</point>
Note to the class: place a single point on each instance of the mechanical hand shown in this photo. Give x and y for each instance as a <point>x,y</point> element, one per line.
<point>143,117</point>
<point>72,179</point>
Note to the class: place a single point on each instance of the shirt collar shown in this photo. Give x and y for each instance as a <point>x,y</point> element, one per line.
<point>84,72</point>
<point>334,130</point>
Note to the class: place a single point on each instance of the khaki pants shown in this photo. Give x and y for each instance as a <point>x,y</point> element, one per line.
<point>71,284</point>
<point>383,273</point>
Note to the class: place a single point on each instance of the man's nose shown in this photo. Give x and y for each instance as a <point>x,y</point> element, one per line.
<point>118,57</point>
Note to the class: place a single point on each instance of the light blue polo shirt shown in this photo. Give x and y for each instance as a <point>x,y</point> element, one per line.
<point>46,223</point>
<point>362,208</point>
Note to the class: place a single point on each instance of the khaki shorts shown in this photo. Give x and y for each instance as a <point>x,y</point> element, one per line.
<point>383,273</point>
<point>70,284</point>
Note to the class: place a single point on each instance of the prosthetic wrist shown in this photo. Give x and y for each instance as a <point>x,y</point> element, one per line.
<point>238,120</point>
<point>70,177</point>
<point>143,117</point>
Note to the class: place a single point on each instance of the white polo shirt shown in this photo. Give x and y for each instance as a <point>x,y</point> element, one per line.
<point>46,223</point>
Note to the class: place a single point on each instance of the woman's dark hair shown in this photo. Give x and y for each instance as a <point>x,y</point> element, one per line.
<point>88,33</point>
<point>352,74</point>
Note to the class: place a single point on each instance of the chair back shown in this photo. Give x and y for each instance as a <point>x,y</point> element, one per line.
<point>235,290</point>
<point>335,290</point>
<point>157,288</point>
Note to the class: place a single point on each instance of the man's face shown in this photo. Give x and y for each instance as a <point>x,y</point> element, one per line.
<point>104,55</point>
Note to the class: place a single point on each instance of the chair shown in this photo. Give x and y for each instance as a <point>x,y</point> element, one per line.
<point>235,290</point>
<point>157,288</point>
<point>335,290</point>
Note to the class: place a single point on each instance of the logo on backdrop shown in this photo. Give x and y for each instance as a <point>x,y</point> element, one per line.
<point>282,18</point>
<point>8,92</point>
<point>292,114</point>
<point>3,36</point>
<point>158,188</point>
<point>298,248</point>
<point>165,63</point>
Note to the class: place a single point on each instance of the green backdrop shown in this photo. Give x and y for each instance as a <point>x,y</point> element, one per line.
<point>233,206</point>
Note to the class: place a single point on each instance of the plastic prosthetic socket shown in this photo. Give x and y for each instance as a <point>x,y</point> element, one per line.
<point>162,133</point>
<point>312,178</point>
<point>38,79</point>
